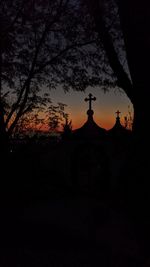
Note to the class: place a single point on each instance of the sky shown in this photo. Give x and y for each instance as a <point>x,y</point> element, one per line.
<point>104,107</point>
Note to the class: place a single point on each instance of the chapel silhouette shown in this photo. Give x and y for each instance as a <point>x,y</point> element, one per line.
<point>94,155</point>
<point>90,130</point>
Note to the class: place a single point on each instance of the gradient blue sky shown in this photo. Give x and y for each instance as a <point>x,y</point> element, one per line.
<point>104,107</point>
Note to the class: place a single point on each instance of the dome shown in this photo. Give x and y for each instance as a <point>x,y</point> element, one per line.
<point>90,130</point>
<point>118,130</point>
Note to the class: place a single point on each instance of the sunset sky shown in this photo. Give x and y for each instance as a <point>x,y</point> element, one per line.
<point>104,107</point>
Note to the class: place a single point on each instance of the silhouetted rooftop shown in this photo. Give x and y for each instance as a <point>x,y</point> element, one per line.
<point>90,130</point>
<point>118,130</point>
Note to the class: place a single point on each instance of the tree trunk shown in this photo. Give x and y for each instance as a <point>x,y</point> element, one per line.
<point>3,133</point>
<point>4,140</point>
<point>135,19</point>
<point>141,117</point>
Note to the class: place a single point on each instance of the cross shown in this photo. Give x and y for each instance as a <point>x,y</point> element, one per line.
<point>90,99</point>
<point>117,112</point>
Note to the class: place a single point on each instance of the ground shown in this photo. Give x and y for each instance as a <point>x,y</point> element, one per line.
<point>48,224</point>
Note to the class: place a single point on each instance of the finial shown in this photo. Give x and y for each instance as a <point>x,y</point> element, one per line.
<point>90,99</point>
<point>118,112</point>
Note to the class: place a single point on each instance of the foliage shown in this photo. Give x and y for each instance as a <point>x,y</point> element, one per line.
<point>46,117</point>
<point>128,119</point>
<point>44,44</point>
<point>56,116</point>
<point>106,16</point>
<point>33,117</point>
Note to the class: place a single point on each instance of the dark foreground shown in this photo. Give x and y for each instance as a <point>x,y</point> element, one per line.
<point>48,224</point>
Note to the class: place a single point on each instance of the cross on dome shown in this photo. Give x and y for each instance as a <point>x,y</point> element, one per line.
<point>118,112</point>
<point>90,99</point>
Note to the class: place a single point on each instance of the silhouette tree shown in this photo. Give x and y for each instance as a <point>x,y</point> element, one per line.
<point>123,29</point>
<point>128,120</point>
<point>34,119</point>
<point>67,127</point>
<point>44,44</point>
<point>56,116</point>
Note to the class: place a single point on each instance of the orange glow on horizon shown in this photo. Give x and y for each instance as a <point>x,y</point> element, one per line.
<point>104,107</point>
<point>102,122</point>
<point>79,120</point>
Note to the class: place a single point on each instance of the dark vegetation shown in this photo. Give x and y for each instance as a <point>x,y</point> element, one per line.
<point>45,220</point>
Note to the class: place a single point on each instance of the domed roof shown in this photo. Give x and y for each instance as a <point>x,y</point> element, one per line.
<point>118,130</point>
<point>90,130</point>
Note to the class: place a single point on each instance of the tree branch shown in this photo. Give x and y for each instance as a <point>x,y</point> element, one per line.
<point>122,77</point>
<point>9,28</point>
<point>62,52</point>
<point>27,83</point>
